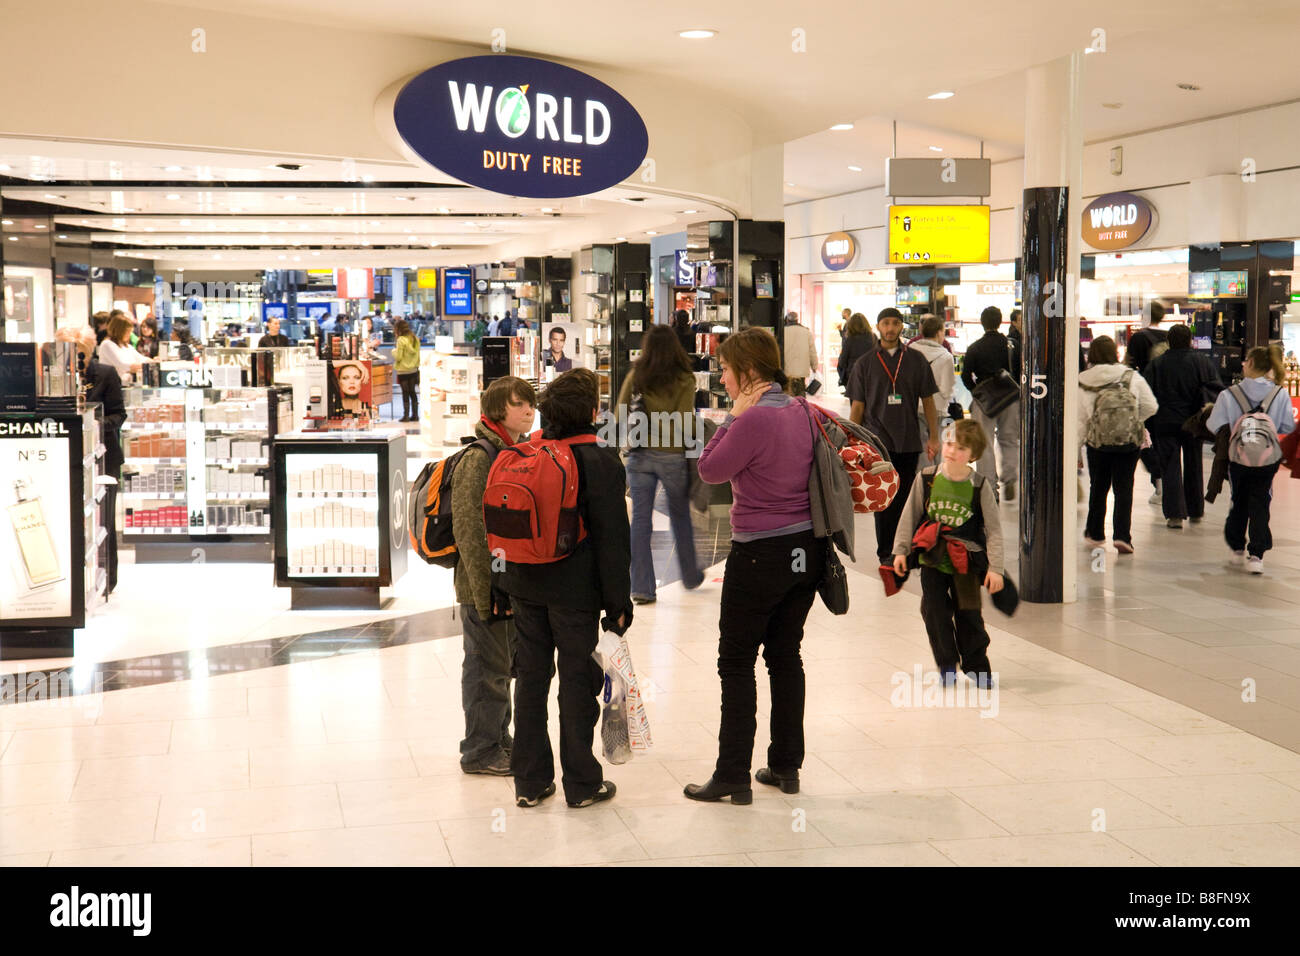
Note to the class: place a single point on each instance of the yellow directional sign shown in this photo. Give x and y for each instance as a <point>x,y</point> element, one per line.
<point>923,235</point>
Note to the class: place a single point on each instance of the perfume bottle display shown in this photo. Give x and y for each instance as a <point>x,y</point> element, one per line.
<point>40,559</point>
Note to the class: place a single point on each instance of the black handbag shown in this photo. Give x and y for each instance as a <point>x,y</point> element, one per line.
<point>996,394</point>
<point>834,584</point>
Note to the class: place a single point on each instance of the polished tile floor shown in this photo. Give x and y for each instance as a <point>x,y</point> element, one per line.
<point>1118,734</point>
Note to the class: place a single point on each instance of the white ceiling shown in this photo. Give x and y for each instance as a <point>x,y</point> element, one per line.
<point>868,64</point>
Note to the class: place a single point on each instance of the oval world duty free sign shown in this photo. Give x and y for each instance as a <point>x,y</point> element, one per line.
<point>521,126</point>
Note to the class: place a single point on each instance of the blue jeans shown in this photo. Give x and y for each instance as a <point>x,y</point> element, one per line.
<point>645,469</point>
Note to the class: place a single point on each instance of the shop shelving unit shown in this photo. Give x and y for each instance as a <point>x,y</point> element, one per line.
<point>339,516</point>
<point>197,471</point>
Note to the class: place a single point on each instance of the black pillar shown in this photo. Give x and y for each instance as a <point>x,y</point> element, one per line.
<point>1044,486</point>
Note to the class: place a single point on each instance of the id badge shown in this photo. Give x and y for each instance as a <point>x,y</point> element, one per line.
<point>896,399</point>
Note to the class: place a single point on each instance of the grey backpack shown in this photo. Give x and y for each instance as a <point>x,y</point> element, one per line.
<point>1114,424</point>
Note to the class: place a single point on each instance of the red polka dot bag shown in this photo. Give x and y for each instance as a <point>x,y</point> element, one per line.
<point>873,478</point>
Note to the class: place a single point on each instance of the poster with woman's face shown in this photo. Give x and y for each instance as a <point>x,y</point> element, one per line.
<point>350,389</point>
<point>559,346</point>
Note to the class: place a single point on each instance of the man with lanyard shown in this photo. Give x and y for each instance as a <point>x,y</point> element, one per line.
<point>884,386</point>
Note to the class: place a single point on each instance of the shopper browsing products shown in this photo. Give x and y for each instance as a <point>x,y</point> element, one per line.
<point>1257,410</point>
<point>489,637</point>
<point>116,351</point>
<point>987,357</point>
<point>1114,401</point>
<point>406,365</point>
<point>885,386</point>
<point>557,607</point>
<point>657,405</point>
<point>951,525</point>
<point>764,449</point>
<point>1183,381</point>
<point>857,341</point>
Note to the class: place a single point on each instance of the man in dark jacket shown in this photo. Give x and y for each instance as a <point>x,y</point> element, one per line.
<point>557,606</point>
<point>1183,381</point>
<point>489,634</point>
<point>986,357</point>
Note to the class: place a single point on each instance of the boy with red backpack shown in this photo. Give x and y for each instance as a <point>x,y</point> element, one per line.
<point>508,409</point>
<point>1258,410</point>
<point>557,527</point>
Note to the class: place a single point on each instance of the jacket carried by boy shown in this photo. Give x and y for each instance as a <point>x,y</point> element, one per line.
<point>473,575</point>
<point>597,575</point>
<point>981,536</point>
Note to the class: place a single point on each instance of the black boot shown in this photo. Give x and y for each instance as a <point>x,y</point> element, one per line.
<point>788,782</point>
<point>740,793</point>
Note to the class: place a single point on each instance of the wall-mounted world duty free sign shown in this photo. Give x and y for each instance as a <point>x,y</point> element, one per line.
<point>521,126</point>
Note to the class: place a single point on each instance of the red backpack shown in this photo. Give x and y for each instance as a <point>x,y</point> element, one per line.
<point>530,506</point>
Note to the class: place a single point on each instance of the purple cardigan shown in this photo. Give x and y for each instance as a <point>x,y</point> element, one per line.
<point>766,454</point>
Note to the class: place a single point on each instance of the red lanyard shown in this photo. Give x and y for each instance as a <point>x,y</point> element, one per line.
<point>893,376</point>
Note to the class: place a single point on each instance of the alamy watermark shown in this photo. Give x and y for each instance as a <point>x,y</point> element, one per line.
<point>636,429</point>
<point>67,688</point>
<point>919,689</point>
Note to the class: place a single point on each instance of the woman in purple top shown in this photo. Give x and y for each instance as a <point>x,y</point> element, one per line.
<point>765,449</point>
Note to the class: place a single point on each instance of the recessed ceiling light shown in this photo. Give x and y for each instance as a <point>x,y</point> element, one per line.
<point>373,222</point>
<point>52,196</point>
<point>547,209</point>
<point>284,257</point>
<point>172,169</point>
<point>689,212</point>
<point>789,184</point>
<point>5,167</point>
<point>15,239</point>
<point>39,226</point>
<point>315,253</point>
<point>856,169</point>
<point>173,196</point>
<point>185,222</point>
<point>236,209</point>
<point>444,210</point>
<point>941,95</point>
<point>651,232</point>
<point>842,126</point>
<point>367,178</point>
<point>10,222</point>
<point>62,236</point>
<point>148,229</point>
<point>338,209</point>
<point>937,149</point>
<point>216,255</point>
<point>698,34</point>
<point>289,198</point>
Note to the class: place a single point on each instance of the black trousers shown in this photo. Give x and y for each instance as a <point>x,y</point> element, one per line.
<point>1182,485</point>
<point>541,631</point>
<point>956,636</point>
<point>410,382</point>
<point>1109,470</point>
<point>887,520</point>
<point>1252,495</point>
<point>768,588</point>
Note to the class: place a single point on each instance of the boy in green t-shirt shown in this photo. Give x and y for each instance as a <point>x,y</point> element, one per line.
<point>951,523</point>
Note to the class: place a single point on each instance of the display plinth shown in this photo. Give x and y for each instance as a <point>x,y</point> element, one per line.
<point>181,549</point>
<point>36,643</point>
<point>332,598</point>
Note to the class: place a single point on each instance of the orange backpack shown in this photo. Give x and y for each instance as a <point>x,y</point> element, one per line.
<point>430,525</point>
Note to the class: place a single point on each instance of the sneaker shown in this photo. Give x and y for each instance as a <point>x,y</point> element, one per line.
<point>496,765</point>
<point>1197,520</point>
<point>1094,542</point>
<point>1123,547</point>
<point>1156,498</point>
<point>606,792</point>
<point>1175,523</point>
<point>1238,560</point>
<point>1010,493</point>
<point>643,599</point>
<point>1255,565</point>
<point>526,802</point>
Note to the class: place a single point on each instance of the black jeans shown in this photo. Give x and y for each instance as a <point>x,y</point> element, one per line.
<point>1109,470</point>
<point>887,520</point>
<point>768,588</point>
<point>955,636</point>
<point>1252,494</point>
<point>1182,484</point>
<point>485,686</point>
<point>410,382</point>
<point>540,632</point>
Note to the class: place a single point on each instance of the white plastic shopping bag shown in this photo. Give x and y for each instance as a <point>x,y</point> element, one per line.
<point>614,657</point>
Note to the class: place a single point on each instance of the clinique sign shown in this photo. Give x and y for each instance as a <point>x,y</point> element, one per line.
<point>1116,220</point>
<point>521,126</point>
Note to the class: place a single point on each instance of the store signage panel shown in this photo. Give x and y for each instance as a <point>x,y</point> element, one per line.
<point>685,268</point>
<point>838,251</point>
<point>1116,220</point>
<point>426,278</point>
<point>938,234</point>
<point>941,176</point>
<point>36,571</point>
<point>521,126</point>
<point>355,283</point>
<point>458,297</point>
